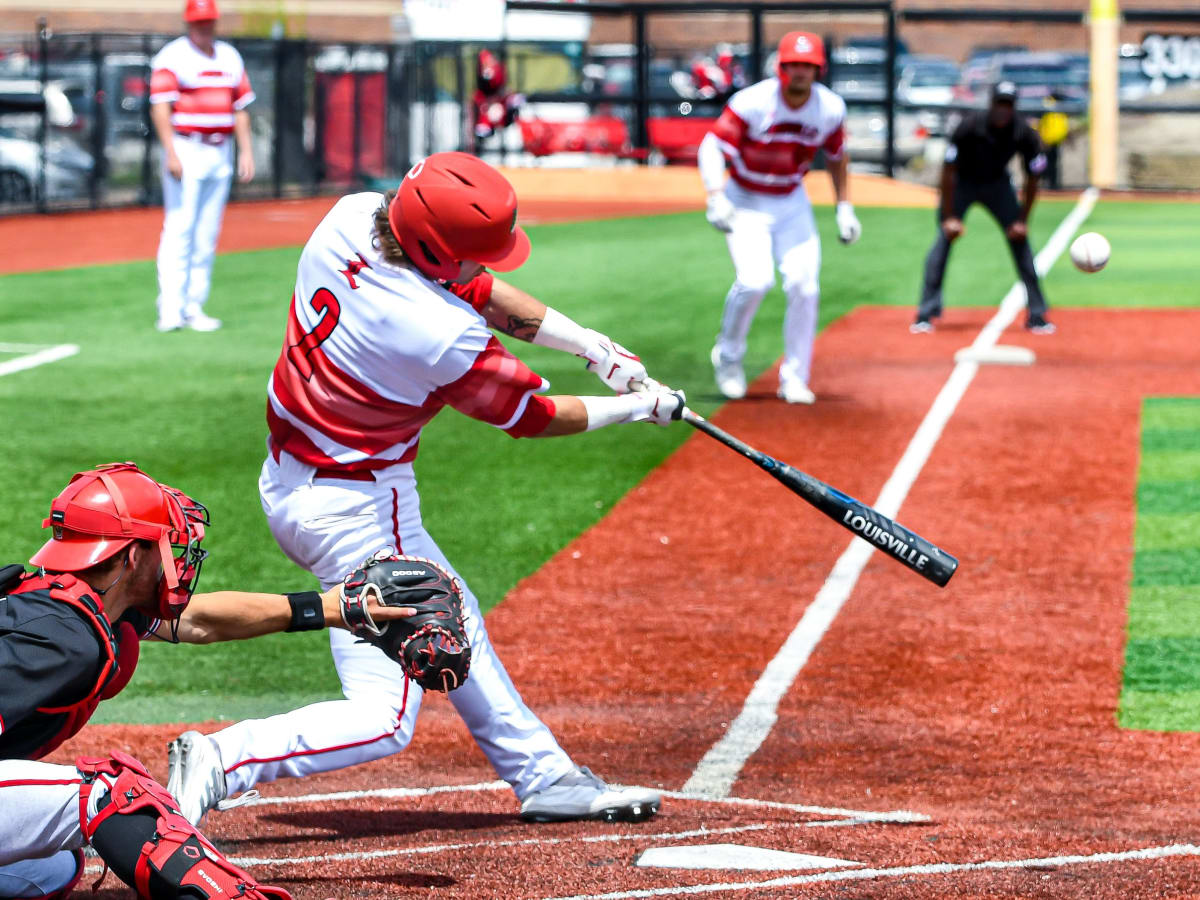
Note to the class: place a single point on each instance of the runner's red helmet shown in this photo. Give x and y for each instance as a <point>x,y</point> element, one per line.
<point>801,46</point>
<point>452,207</point>
<point>103,511</point>
<point>200,11</point>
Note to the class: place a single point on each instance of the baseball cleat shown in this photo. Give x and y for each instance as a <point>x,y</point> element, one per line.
<point>201,322</point>
<point>796,393</point>
<point>921,326</point>
<point>195,776</point>
<point>731,378</point>
<point>169,323</point>
<point>581,795</point>
<point>1039,325</point>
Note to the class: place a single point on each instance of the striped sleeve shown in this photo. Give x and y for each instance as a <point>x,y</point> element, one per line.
<point>730,130</point>
<point>164,86</point>
<point>501,390</point>
<point>243,96</point>
<point>835,144</point>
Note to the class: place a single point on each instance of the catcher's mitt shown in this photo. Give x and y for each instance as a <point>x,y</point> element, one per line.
<point>431,646</point>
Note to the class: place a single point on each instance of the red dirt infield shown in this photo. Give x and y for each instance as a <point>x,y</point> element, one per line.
<point>988,707</point>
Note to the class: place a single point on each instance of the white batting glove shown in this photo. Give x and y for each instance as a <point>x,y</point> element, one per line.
<point>720,211</point>
<point>663,405</point>
<point>617,367</point>
<point>849,228</point>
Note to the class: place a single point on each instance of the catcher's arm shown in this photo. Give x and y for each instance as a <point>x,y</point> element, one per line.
<point>234,615</point>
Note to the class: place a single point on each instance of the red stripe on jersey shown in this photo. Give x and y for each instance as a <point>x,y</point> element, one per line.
<point>242,89</point>
<point>776,157</point>
<point>763,188</point>
<point>793,128</point>
<point>340,406</point>
<point>205,100</point>
<point>730,127</point>
<point>163,81</point>
<point>494,388</point>
<point>835,142</point>
<point>477,291</point>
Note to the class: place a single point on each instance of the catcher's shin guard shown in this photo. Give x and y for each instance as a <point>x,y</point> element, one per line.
<point>139,833</point>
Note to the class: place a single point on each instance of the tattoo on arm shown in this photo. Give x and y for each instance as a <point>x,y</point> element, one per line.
<point>522,328</point>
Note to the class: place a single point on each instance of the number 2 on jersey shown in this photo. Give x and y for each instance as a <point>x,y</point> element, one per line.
<point>325,303</point>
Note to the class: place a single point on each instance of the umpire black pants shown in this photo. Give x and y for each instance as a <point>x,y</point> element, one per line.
<point>1001,201</point>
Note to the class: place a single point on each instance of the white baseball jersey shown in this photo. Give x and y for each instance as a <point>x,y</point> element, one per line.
<point>205,90</point>
<point>373,351</point>
<point>768,145</point>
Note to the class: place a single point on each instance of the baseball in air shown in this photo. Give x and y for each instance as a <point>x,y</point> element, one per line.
<point>1090,252</point>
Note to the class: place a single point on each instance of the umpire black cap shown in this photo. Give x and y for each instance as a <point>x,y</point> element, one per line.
<point>1004,92</point>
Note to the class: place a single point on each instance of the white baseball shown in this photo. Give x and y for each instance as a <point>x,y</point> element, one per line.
<point>1090,252</point>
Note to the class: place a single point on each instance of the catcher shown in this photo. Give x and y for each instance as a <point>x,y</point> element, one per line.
<point>121,566</point>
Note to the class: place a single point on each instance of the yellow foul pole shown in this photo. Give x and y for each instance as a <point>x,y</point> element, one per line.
<point>1105,25</point>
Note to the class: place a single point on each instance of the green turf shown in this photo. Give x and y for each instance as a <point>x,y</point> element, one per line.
<point>1161,686</point>
<point>189,407</point>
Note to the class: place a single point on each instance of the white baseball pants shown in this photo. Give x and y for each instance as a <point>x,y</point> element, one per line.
<point>39,826</point>
<point>193,206</point>
<point>329,526</point>
<point>769,230</point>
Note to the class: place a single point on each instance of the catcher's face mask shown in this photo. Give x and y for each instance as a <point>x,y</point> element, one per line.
<point>103,511</point>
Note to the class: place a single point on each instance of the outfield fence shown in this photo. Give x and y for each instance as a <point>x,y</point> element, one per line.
<point>627,84</point>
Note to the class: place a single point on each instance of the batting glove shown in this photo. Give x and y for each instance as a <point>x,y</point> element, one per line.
<point>663,406</point>
<point>720,211</point>
<point>849,229</point>
<point>617,367</point>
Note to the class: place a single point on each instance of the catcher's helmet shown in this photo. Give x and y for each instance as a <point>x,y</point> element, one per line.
<point>800,46</point>
<point>452,207</point>
<point>104,510</point>
<point>200,11</point>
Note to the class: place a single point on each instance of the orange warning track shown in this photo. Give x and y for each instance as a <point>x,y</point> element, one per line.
<point>988,707</point>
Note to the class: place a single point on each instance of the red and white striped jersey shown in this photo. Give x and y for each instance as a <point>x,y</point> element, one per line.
<point>373,351</point>
<point>205,90</point>
<point>768,145</point>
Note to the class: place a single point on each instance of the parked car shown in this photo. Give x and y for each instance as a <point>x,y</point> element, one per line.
<point>1044,81</point>
<point>866,135</point>
<point>858,74</point>
<point>927,81</point>
<point>874,42</point>
<point>68,168</point>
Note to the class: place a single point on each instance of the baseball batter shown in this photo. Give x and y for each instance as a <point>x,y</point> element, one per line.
<point>121,566</point>
<point>767,137</point>
<point>199,92</point>
<point>390,322</point>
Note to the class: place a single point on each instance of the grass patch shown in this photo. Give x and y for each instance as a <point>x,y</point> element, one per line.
<point>1161,682</point>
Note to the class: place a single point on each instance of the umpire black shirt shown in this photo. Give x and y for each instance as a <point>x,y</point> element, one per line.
<point>981,153</point>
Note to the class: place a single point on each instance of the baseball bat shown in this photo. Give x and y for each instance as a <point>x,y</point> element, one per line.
<point>907,548</point>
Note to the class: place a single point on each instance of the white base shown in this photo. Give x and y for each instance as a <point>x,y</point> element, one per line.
<point>997,355</point>
<point>735,856</point>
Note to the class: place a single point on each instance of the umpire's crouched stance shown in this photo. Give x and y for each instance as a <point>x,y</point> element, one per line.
<point>976,171</point>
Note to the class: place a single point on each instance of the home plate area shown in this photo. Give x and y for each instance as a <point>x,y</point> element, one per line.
<point>465,840</point>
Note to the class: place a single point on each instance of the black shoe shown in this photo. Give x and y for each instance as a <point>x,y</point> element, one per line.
<point>1039,325</point>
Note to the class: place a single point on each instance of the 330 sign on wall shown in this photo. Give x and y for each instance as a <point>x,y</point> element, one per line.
<point>1171,56</point>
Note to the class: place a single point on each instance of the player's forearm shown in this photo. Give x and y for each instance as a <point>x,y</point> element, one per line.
<point>236,615</point>
<point>839,175</point>
<point>570,417</point>
<point>1028,196</point>
<point>512,311</point>
<point>160,118</point>
<point>946,200</point>
<point>711,162</point>
<point>573,415</point>
<point>241,132</point>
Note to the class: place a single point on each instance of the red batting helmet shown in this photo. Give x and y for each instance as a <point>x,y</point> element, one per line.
<point>801,46</point>
<point>102,511</point>
<point>200,11</point>
<point>452,207</point>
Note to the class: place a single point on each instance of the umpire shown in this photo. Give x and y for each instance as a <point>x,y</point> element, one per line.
<point>976,171</point>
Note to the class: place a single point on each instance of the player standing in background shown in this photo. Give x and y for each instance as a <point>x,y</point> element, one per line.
<point>198,98</point>
<point>768,135</point>
<point>390,322</point>
<point>975,170</point>
<point>121,565</point>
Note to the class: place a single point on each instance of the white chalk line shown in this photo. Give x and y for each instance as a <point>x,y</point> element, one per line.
<point>526,842</point>
<point>902,871</point>
<point>722,764</point>
<point>860,815</point>
<point>35,359</point>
